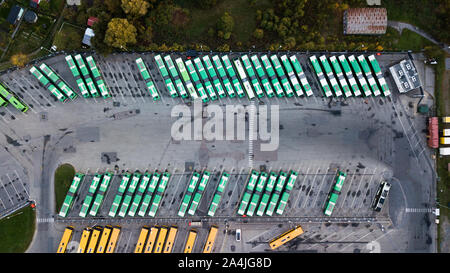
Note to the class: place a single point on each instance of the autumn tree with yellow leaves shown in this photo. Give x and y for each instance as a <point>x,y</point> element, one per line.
<point>120,33</point>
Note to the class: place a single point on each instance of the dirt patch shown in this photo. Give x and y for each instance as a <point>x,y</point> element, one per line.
<point>180,18</point>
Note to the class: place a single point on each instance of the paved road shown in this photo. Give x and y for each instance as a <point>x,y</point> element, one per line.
<point>400,26</point>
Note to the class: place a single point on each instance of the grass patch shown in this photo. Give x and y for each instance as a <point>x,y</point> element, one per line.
<point>63,178</point>
<point>409,40</point>
<point>68,38</point>
<point>443,185</point>
<point>201,20</point>
<point>16,231</point>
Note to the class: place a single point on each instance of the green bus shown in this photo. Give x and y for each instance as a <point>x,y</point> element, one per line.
<point>334,194</point>
<point>257,194</point>
<point>267,192</point>
<point>285,196</point>
<point>76,74</point>
<point>165,74</point>
<point>159,194</point>
<point>148,196</point>
<point>58,81</point>
<point>90,195</point>
<point>138,196</point>
<point>9,97</point>
<point>101,193</point>
<point>190,191</point>
<point>120,192</point>
<point>68,201</point>
<point>198,195</point>
<point>86,76</point>
<point>248,192</point>
<point>129,194</point>
<point>218,195</point>
<point>148,81</point>
<point>276,194</point>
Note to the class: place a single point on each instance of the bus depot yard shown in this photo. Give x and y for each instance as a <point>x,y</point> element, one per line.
<point>369,138</point>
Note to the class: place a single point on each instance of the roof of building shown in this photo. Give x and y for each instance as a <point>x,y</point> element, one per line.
<point>14,14</point>
<point>433,140</point>
<point>73,2</point>
<point>405,76</point>
<point>365,21</point>
<point>88,34</point>
<point>30,16</point>
<point>92,20</point>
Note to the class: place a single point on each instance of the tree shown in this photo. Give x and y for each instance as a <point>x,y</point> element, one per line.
<point>206,4</point>
<point>258,33</point>
<point>120,33</point>
<point>19,59</point>
<point>113,6</point>
<point>223,48</point>
<point>225,26</point>
<point>135,7</point>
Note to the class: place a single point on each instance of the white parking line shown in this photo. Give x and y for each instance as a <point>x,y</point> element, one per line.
<point>4,188</point>
<point>39,90</point>
<point>349,187</point>
<point>235,184</point>
<point>115,80</point>
<point>326,199</point>
<point>128,243</point>
<point>29,94</point>
<point>369,188</point>
<point>300,189</point>
<point>124,79</point>
<point>137,86</point>
<point>318,191</point>
<point>359,185</point>
<point>358,240</point>
<point>2,203</point>
<point>12,183</point>
<point>343,239</point>
<point>312,183</point>
<point>327,237</point>
<point>176,190</point>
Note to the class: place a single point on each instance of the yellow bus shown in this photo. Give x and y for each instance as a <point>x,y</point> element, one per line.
<point>94,239</point>
<point>104,239</point>
<point>67,235</point>
<point>161,239</point>
<point>190,241</point>
<point>84,240</point>
<point>285,237</point>
<point>141,241</point>
<point>170,239</point>
<point>151,240</point>
<point>113,240</point>
<point>211,239</point>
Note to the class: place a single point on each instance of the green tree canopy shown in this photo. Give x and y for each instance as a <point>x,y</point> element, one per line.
<point>135,7</point>
<point>120,33</point>
<point>225,26</point>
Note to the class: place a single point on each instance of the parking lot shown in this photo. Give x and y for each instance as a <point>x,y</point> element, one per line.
<point>370,139</point>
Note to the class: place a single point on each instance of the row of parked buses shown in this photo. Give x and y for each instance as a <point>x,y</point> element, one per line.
<point>141,194</point>
<point>97,239</point>
<point>210,78</point>
<point>88,78</point>
<point>155,239</point>
<point>8,97</point>
<point>161,240</point>
<point>266,193</point>
<point>345,84</point>
<point>268,75</point>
